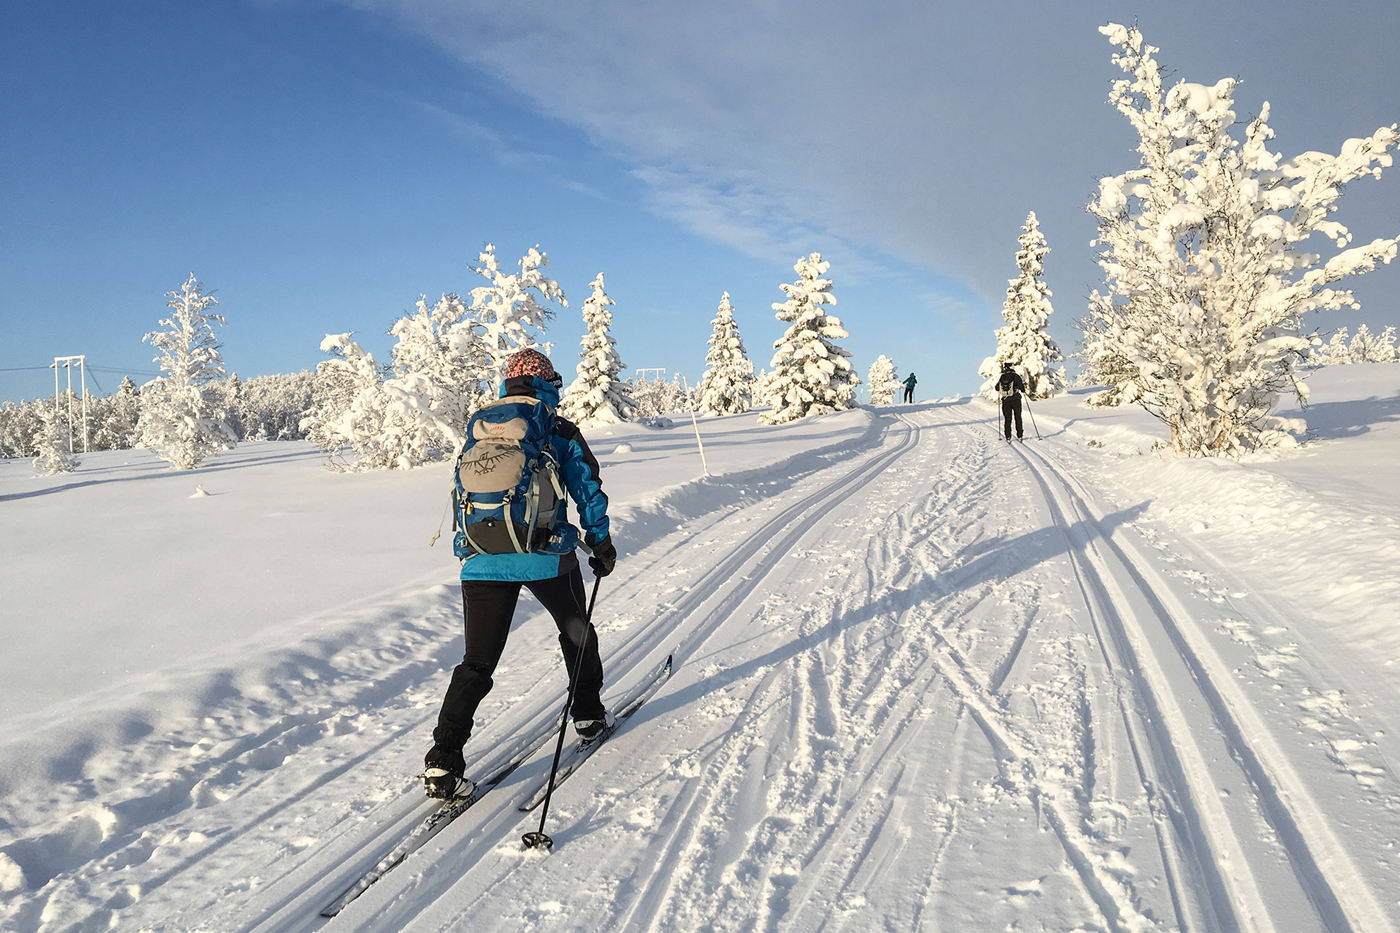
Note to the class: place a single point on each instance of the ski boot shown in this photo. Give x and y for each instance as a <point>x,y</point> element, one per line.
<point>593,730</point>
<point>443,770</point>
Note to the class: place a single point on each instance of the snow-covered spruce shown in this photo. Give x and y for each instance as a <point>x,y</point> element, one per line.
<point>882,381</point>
<point>727,386</point>
<point>181,418</point>
<point>1023,341</point>
<point>508,311</point>
<point>596,396</point>
<point>1205,287</point>
<point>52,453</point>
<point>811,374</point>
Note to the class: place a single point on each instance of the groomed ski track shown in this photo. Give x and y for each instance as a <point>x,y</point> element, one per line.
<point>932,683</point>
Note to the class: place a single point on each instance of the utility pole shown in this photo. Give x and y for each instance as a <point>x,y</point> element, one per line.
<point>642,373</point>
<point>67,363</point>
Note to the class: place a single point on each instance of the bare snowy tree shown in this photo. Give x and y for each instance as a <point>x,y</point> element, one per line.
<point>1205,284</point>
<point>509,311</point>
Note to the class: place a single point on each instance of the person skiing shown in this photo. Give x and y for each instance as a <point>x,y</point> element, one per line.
<point>909,388</point>
<point>1009,389</point>
<point>491,585</point>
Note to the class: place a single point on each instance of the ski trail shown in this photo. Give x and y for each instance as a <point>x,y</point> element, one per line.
<point>1316,862</point>
<point>686,620</point>
<point>795,804</point>
<point>927,686</point>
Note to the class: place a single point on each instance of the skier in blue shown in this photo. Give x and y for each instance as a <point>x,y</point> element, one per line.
<point>491,585</point>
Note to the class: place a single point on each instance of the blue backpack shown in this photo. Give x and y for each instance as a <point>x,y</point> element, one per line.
<point>507,498</point>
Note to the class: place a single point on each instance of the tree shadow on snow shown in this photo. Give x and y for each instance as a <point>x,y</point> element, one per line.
<point>1352,418</point>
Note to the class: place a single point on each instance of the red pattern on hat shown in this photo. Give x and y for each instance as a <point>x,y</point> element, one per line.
<point>529,363</point>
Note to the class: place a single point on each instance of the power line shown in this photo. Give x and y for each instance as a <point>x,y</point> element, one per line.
<point>96,383</point>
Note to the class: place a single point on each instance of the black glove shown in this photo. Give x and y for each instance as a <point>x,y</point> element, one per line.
<point>604,557</point>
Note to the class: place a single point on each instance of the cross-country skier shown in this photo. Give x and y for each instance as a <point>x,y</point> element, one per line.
<point>1009,389</point>
<point>491,584</point>
<point>909,388</point>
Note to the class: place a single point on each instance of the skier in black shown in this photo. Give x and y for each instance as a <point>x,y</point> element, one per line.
<point>909,388</point>
<point>1010,386</point>
<point>491,584</point>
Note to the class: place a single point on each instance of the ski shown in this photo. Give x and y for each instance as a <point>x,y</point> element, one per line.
<point>579,753</point>
<point>441,816</point>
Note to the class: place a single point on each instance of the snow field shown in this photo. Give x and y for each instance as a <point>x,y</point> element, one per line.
<point>925,680</point>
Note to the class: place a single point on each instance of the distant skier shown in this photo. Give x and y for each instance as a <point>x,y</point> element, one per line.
<point>909,388</point>
<point>1009,389</point>
<point>491,585</point>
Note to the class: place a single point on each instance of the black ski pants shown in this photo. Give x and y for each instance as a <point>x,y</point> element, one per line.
<point>909,394</point>
<point>487,609</point>
<point>1009,407</point>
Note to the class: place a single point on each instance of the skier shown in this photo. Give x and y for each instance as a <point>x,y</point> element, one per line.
<point>1009,389</point>
<point>909,388</point>
<point>491,585</point>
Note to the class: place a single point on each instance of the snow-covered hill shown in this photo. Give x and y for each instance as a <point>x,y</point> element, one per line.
<point>925,680</point>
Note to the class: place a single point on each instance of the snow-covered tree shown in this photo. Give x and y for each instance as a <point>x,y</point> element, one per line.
<point>761,382</point>
<point>182,420</point>
<point>1336,352</point>
<point>658,397</point>
<point>19,424</point>
<point>441,367</point>
<point>1023,341</point>
<point>1365,347</point>
<point>882,381</point>
<point>356,408</point>
<point>726,388</point>
<point>115,427</point>
<point>596,395</point>
<point>509,313</point>
<point>811,374</point>
<point>52,454</point>
<point>271,407</point>
<point>1205,285</point>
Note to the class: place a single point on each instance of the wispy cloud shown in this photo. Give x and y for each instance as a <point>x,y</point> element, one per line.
<point>921,130</point>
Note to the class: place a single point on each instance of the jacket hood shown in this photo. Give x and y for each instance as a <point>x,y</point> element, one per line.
<point>533,386</point>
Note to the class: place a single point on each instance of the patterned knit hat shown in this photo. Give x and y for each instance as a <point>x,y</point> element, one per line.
<point>530,363</point>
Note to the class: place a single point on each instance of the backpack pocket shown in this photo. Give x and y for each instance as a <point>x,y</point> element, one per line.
<point>489,466</point>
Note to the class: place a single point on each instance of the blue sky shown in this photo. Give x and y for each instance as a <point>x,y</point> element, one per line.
<point>319,164</point>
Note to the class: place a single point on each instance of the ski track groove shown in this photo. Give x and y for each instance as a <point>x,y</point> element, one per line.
<point>796,813</point>
<point>1331,883</point>
<point>764,549</point>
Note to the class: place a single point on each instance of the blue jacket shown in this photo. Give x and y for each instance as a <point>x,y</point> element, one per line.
<point>579,473</point>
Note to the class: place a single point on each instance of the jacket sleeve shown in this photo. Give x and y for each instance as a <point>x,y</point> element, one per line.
<point>582,480</point>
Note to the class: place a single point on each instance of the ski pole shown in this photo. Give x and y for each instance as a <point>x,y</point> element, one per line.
<point>1032,414</point>
<point>539,838</point>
